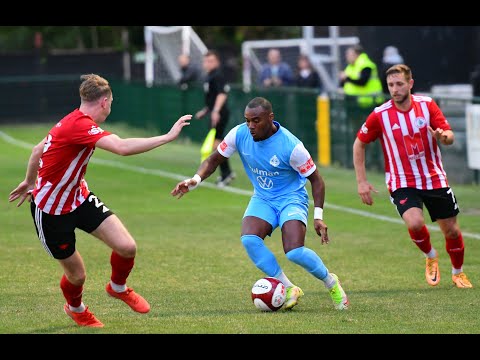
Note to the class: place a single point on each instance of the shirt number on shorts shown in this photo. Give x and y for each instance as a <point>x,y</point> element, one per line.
<point>98,203</point>
<point>450,191</point>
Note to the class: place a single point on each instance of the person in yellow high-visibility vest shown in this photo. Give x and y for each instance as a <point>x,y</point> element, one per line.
<point>363,91</point>
<point>360,78</point>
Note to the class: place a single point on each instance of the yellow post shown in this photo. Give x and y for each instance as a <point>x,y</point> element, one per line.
<point>323,130</point>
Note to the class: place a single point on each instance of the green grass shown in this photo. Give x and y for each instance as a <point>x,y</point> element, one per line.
<point>192,268</point>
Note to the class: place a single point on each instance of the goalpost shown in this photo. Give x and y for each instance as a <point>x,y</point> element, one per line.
<point>324,54</point>
<point>163,45</point>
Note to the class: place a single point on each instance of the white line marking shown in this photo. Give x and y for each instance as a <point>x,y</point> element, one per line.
<point>166,174</point>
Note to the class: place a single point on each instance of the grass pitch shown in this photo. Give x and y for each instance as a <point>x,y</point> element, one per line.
<point>192,267</point>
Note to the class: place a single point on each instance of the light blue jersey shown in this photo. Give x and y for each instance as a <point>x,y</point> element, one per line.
<point>277,168</point>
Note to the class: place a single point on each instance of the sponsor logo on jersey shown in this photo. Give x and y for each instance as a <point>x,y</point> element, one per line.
<point>364,129</point>
<point>223,145</point>
<point>306,167</point>
<point>95,130</point>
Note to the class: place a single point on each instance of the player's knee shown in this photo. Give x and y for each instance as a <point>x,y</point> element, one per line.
<point>76,277</point>
<point>127,251</point>
<point>250,242</point>
<point>452,232</point>
<point>295,255</point>
<point>416,226</point>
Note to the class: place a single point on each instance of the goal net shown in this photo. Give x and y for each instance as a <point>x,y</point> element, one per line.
<point>163,45</point>
<point>324,54</point>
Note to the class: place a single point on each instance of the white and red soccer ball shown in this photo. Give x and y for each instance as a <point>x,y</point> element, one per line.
<point>268,294</point>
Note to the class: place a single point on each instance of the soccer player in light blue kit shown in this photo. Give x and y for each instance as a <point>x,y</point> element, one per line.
<point>278,166</point>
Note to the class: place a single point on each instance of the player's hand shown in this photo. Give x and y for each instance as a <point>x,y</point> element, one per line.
<point>22,191</point>
<point>178,126</point>
<point>322,230</point>
<point>364,191</point>
<point>183,187</point>
<point>440,135</point>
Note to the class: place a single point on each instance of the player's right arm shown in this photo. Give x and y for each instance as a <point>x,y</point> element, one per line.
<point>224,150</point>
<point>132,146</point>
<point>364,188</point>
<point>24,189</point>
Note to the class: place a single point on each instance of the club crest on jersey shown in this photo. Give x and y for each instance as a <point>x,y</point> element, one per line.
<point>420,122</point>
<point>95,130</point>
<point>274,161</point>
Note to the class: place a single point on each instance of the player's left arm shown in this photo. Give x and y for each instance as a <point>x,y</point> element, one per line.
<point>318,194</point>
<point>133,146</point>
<point>302,162</point>
<point>446,137</point>
<point>439,127</point>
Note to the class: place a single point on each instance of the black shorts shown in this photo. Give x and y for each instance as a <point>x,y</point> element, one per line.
<point>57,232</point>
<point>440,203</point>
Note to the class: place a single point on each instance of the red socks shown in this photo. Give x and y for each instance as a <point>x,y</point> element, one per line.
<point>455,248</point>
<point>72,293</point>
<point>421,238</point>
<point>121,268</point>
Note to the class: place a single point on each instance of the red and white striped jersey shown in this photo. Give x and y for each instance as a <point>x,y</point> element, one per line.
<point>411,154</point>
<point>60,186</point>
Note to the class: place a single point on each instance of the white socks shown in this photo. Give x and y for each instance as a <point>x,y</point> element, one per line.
<point>283,278</point>
<point>118,288</point>
<point>78,309</point>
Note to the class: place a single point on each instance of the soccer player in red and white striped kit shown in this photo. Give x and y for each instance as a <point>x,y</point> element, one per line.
<point>61,201</point>
<point>409,128</point>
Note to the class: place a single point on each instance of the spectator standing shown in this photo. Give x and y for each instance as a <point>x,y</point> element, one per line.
<point>190,73</point>
<point>275,72</point>
<point>306,75</point>
<point>360,78</point>
<point>391,56</point>
<point>475,82</point>
<point>363,90</point>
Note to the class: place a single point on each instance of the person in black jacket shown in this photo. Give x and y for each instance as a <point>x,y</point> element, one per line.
<point>216,95</point>
<point>306,75</point>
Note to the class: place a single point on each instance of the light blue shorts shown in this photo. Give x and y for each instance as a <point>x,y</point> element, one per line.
<point>277,213</point>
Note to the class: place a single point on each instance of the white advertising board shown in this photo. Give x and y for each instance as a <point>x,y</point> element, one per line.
<point>472,118</point>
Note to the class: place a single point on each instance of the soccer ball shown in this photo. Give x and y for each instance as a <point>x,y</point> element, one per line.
<point>268,294</point>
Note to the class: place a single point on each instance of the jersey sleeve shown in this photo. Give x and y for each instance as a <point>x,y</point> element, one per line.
<point>302,161</point>
<point>87,132</point>
<point>437,118</point>
<point>371,129</point>
<point>228,146</point>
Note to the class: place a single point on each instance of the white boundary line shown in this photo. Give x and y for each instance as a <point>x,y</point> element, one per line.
<point>166,174</point>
